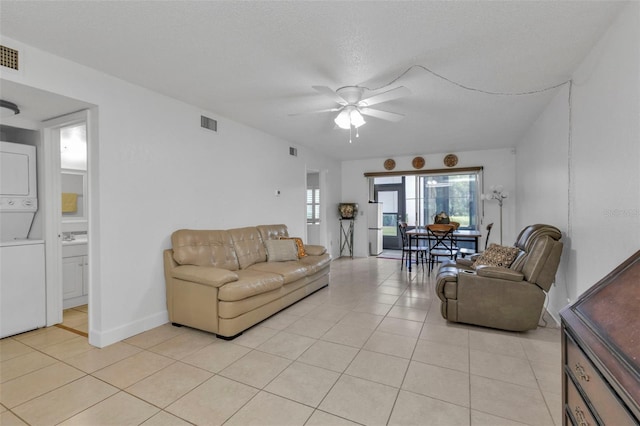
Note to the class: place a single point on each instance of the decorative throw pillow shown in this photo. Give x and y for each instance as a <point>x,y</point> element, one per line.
<point>497,255</point>
<point>299,244</point>
<point>281,250</point>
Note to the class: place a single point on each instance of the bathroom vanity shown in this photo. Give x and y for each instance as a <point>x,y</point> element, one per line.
<point>75,271</point>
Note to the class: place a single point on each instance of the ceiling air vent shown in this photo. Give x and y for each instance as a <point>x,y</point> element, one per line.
<point>8,57</point>
<point>293,151</point>
<point>208,123</point>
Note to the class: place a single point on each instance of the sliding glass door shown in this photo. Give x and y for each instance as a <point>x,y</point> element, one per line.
<point>392,196</point>
<point>417,198</point>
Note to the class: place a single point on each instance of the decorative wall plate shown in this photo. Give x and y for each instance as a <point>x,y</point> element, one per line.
<point>389,164</point>
<point>450,160</point>
<point>418,163</point>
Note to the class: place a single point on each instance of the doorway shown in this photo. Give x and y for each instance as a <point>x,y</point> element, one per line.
<point>392,196</point>
<point>37,109</point>
<point>67,142</point>
<point>316,207</point>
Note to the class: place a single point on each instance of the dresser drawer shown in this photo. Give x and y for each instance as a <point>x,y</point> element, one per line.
<point>577,408</point>
<point>600,395</point>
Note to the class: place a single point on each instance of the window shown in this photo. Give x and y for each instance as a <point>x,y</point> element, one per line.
<point>313,205</point>
<point>455,194</point>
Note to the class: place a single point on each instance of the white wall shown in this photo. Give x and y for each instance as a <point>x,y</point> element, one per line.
<point>154,171</point>
<point>589,188</point>
<point>499,169</point>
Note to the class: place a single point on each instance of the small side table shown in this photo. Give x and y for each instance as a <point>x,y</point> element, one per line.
<point>346,236</point>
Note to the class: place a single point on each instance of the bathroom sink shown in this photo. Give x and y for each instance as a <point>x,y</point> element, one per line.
<point>78,239</point>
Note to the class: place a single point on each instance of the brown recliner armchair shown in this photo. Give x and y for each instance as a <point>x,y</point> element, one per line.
<point>505,298</point>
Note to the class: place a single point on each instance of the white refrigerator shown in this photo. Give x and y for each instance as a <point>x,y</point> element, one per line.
<point>374,222</point>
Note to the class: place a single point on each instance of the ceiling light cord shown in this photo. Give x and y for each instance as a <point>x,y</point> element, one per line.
<point>341,118</point>
<point>474,89</point>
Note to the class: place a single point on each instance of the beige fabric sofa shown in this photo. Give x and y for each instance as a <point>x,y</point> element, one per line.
<point>498,297</point>
<point>222,281</point>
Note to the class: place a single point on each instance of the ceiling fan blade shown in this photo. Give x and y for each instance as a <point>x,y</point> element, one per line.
<point>316,111</point>
<point>330,93</point>
<point>384,115</point>
<point>389,95</point>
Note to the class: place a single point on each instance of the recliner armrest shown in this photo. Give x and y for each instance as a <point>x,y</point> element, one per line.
<point>465,263</point>
<point>207,275</point>
<point>499,273</point>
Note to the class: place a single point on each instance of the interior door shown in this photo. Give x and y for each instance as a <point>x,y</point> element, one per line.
<point>392,198</point>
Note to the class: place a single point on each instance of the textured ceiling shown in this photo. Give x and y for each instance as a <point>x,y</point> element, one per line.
<point>255,61</point>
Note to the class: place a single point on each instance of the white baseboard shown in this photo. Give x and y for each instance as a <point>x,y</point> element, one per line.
<point>106,338</point>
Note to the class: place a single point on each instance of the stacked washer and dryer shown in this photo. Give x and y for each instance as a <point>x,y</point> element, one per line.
<point>22,261</point>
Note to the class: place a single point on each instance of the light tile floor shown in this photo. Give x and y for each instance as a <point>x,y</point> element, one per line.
<point>76,319</point>
<point>370,349</point>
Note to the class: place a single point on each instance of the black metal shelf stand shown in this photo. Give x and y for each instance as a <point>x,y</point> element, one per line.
<point>346,236</point>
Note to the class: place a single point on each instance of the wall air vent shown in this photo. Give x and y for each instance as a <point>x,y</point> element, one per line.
<point>8,57</point>
<point>208,123</point>
<point>293,151</point>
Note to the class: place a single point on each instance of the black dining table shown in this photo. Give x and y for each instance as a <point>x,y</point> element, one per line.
<point>458,235</point>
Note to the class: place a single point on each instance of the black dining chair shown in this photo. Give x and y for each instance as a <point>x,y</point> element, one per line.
<point>467,251</point>
<point>408,249</point>
<point>441,243</point>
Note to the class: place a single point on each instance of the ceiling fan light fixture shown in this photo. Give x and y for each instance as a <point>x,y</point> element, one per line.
<point>357,119</point>
<point>349,116</point>
<point>343,120</point>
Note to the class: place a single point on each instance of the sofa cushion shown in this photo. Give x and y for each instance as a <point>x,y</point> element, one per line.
<point>249,283</point>
<point>299,245</point>
<point>497,255</point>
<point>519,261</point>
<point>272,232</point>
<point>281,250</point>
<point>208,275</point>
<point>545,251</point>
<point>290,271</point>
<point>249,246</point>
<point>204,248</point>
<point>532,232</point>
<point>499,273</point>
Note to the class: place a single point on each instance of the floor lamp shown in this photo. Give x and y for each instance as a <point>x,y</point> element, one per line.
<point>497,193</point>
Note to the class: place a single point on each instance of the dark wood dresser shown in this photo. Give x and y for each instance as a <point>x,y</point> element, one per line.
<point>601,351</point>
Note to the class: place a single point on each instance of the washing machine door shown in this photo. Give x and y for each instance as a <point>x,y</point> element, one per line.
<point>15,225</point>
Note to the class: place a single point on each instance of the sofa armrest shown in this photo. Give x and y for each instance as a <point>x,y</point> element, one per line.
<point>207,275</point>
<point>313,250</point>
<point>499,273</point>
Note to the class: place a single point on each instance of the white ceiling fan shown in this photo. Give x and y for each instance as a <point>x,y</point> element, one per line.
<point>353,106</point>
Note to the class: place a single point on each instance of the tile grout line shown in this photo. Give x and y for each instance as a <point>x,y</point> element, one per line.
<point>422,281</point>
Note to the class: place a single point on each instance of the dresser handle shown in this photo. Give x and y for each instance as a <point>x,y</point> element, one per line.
<point>580,417</point>
<point>581,373</point>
